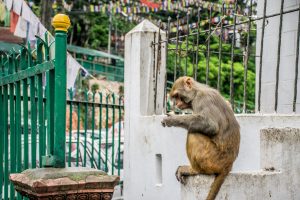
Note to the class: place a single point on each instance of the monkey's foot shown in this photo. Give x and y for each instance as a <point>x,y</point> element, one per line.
<point>182,172</point>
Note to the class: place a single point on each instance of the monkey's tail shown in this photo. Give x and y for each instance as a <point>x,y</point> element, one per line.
<point>216,185</point>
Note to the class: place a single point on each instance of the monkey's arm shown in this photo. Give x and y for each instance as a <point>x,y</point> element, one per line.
<point>195,123</point>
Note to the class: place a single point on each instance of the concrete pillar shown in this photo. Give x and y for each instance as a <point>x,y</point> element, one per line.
<point>141,63</point>
<point>144,64</point>
<point>269,62</point>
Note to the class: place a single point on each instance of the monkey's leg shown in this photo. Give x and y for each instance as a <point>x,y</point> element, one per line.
<point>184,171</point>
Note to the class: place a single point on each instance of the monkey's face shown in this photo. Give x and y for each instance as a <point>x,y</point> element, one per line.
<point>181,104</point>
<point>182,92</point>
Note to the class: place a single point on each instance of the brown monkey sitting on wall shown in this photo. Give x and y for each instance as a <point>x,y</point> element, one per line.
<point>213,132</point>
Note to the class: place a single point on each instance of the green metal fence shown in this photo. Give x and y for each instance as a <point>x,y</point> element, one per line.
<point>27,112</point>
<point>96,131</point>
<point>33,107</point>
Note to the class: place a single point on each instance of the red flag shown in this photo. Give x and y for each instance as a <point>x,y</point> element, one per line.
<point>13,21</point>
<point>150,4</point>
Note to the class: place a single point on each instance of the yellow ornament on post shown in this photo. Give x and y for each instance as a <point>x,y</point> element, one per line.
<point>61,22</point>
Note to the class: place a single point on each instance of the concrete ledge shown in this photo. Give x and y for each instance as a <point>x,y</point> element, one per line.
<point>281,135</point>
<point>250,185</point>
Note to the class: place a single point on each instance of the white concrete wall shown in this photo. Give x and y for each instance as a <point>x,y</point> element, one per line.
<point>287,57</point>
<point>150,138</point>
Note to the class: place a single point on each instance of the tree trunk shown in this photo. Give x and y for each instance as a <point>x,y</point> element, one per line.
<point>46,13</point>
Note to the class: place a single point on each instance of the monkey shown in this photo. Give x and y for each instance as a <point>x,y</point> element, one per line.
<point>213,137</point>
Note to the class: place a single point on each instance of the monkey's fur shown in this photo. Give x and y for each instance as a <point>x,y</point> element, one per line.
<point>213,137</point>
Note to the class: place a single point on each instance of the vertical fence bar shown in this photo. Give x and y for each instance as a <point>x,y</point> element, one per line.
<point>18,133</point>
<point>106,135</point>
<point>296,64</point>
<point>220,48</point>
<point>41,122</point>
<point>50,108</point>
<point>18,127</point>
<point>78,130</point>
<point>61,24</point>
<point>25,112</point>
<point>208,47</point>
<point>33,121</point>
<point>1,137</point>
<point>93,130</point>
<point>167,51</point>
<point>176,52</point>
<point>247,53</point>
<point>261,54</point>
<point>119,134</point>
<point>6,145</point>
<point>85,126</point>
<point>197,49</point>
<point>70,126</point>
<point>187,42</point>
<point>12,124</point>
<point>180,51</point>
<point>232,58</point>
<point>278,55</point>
<point>100,131</point>
<point>113,134</point>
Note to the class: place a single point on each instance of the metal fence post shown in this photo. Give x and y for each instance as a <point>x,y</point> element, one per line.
<point>61,23</point>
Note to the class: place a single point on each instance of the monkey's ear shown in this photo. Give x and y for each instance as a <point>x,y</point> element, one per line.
<point>189,82</point>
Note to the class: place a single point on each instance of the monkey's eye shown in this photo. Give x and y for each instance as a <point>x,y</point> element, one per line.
<point>175,96</point>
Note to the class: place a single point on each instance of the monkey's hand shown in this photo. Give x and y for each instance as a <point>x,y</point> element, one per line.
<point>167,121</point>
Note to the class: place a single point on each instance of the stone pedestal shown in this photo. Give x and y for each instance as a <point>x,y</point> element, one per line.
<point>65,183</point>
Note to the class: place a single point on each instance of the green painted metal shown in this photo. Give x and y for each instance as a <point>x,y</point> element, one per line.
<point>92,52</point>
<point>78,129</point>
<point>93,130</point>
<point>106,135</point>
<point>108,152</point>
<point>100,130</point>
<point>119,137</point>
<point>60,98</point>
<point>70,127</point>
<point>113,135</point>
<point>12,123</point>
<point>22,130</point>
<point>38,69</point>
<point>23,142</point>
<point>5,131</point>
<point>85,127</point>
<point>1,141</point>
<point>41,122</point>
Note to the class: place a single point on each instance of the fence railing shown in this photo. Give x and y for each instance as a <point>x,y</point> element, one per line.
<point>224,48</point>
<point>33,106</point>
<point>27,110</point>
<point>96,131</point>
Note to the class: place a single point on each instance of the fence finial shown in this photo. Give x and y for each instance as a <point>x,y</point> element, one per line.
<point>61,22</point>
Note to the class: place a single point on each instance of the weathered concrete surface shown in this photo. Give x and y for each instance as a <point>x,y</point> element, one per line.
<point>255,185</point>
<point>280,154</point>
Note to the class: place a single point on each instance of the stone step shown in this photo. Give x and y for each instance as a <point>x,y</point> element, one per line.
<point>255,185</point>
<point>278,179</point>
